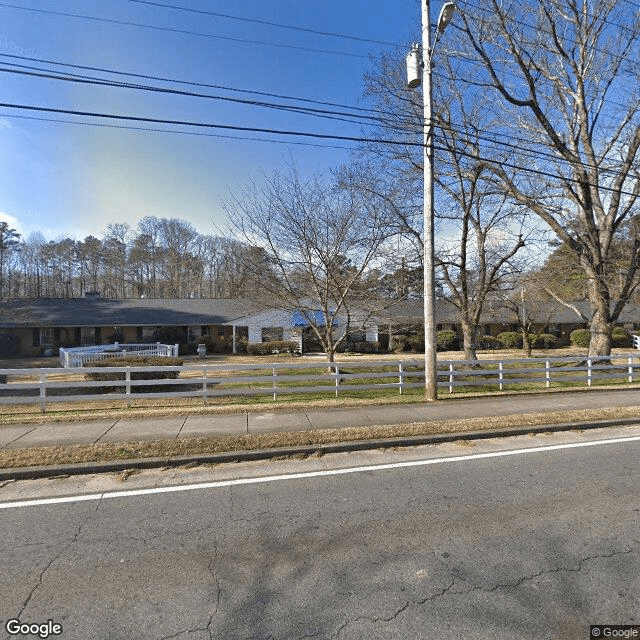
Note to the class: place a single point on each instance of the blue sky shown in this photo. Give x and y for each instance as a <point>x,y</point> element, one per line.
<point>72,180</point>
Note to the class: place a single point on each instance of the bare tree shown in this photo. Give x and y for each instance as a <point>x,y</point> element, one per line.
<point>311,246</point>
<point>565,78</point>
<point>9,248</point>
<point>479,232</point>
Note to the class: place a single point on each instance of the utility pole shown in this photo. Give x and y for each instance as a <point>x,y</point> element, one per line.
<point>413,80</point>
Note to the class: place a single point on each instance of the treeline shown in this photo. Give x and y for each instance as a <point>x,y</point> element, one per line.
<point>160,258</point>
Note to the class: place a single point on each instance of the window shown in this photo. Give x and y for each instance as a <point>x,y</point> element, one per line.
<point>87,336</point>
<point>269,334</point>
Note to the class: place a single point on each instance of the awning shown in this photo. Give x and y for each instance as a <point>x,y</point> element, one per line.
<point>301,319</point>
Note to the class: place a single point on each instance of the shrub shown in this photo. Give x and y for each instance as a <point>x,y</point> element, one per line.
<point>444,339</point>
<point>363,346</point>
<point>136,361</point>
<point>489,342</point>
<point>416,343</point>
<point>545,341</point>
<point>510,339</point>
<point>580,338</point>
<point>400,344</point>
<point>620,337</point>
<point>273,346</point>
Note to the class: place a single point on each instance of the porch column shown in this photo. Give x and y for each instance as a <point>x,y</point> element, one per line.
<point>233,327</point>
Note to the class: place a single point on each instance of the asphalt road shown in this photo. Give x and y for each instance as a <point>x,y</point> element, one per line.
<point>509,538</point>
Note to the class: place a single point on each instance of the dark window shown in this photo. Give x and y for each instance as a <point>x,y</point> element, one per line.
<point>77,336</point>
<point>36,337</point>
<point>139,334</point>
<point>98,335</point>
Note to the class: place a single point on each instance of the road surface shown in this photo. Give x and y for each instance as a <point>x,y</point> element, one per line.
<point>518,538</point>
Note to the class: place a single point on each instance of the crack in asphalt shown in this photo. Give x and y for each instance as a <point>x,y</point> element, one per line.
<point>521,581</point>
<point>464,593</point>
<point>207,628</point>
<point>62,552</point>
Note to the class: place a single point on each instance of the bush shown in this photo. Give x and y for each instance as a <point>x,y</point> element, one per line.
<point>580,338</point>
<point>363,346</point>
<point>620,337</point>
<point>510,339</point>
<point>416,343</point>
<point>400,344</point>
<point>136,361</point>
<point>489,342</point>
<point>444,339</point>
<point>273,346</point>
<point>545,341</point>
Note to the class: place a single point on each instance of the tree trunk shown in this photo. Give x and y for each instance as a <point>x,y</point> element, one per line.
<point>469,331</point>
<point>600,328</point>
<point>601,325</point>
<point>526,344</point>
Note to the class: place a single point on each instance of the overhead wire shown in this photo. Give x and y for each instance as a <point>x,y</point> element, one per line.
<point>279,25</point>
<point>182,31</point>
<point>308,134</point>
<point>184,82</point>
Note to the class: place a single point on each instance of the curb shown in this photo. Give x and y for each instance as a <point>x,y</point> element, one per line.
<point>32,473</point>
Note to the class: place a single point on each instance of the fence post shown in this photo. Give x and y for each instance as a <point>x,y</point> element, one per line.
<point>589,372</point>
<point>127,384</point>
<point>400,377</point>
<point>630,368</point>
<point>547,373</point>
<point>204,383</point>
<point>43,391</point>
<point>451,377</point>
<point>275,393</point>
<point>337,372</point>
<point>501,374</point>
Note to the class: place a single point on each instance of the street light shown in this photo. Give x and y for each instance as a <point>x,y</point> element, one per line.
<point>413,80</point>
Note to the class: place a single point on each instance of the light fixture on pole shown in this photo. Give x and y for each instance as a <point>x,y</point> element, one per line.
<point>413,81</point>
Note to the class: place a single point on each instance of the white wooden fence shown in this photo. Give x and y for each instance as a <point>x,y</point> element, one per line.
<point>79,356</point>
<point>636,341</point>
<point>212,381</point>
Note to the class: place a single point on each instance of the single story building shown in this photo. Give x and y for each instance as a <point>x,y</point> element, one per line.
<point>40,326</point>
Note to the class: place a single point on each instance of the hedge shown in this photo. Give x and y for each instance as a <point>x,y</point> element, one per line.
<point>273,346</point>
<point>136,361</point>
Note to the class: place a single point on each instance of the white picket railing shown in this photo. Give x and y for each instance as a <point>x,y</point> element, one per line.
<point>211,381</point>
<point>79,356</point>
<point>636,341</point>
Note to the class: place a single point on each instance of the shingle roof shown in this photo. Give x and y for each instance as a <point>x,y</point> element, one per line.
<point>90,312</point>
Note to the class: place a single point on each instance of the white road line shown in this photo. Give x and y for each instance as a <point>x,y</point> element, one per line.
<point>311,474</point>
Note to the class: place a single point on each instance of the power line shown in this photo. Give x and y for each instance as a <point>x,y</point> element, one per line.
<point>184,82</point>
<point>181,31</point>
<point>314,135</point>
<point>175,131</point>
<point>206,125</point>
<point>279,25</point>
<point>324,113</point>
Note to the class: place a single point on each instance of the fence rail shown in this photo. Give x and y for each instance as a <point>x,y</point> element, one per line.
<point>214,381</point>
<point>79,356</point>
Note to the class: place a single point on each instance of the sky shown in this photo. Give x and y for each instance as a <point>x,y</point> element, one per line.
<point>73,178</point>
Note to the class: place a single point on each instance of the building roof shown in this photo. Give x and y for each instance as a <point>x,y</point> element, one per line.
<point>96,311</point>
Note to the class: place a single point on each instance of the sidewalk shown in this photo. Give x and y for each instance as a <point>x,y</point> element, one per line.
<point>281,420</point>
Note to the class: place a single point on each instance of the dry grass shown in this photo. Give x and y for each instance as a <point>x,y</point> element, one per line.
<point>43,456</point>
